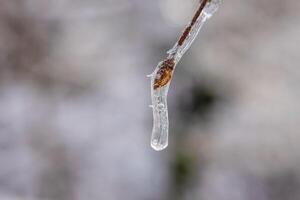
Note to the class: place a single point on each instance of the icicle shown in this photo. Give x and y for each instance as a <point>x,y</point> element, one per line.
<point>162,75</point>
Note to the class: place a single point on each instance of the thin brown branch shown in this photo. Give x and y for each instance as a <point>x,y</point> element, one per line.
<point>194,20</point>
<point>164,74</point>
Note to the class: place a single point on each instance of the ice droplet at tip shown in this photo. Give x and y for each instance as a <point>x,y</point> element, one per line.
<point>158,146</point>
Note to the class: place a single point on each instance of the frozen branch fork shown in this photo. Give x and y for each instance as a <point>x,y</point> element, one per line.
<point>162,75</point>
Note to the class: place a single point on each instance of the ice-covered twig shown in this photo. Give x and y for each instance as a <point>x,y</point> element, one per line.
<point>162,75</point>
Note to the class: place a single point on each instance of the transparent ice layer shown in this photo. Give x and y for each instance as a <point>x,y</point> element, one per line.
<point>159,138</point>
<point>211,7</point>
<point>160,131</point>
<point>179,51</point>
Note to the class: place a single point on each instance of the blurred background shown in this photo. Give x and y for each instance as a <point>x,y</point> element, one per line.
<point>74,117</point>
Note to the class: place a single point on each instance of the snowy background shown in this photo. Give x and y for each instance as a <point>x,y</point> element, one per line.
<point>74,117</point>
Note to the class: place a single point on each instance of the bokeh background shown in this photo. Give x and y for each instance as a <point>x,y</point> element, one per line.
<point>74,117</point>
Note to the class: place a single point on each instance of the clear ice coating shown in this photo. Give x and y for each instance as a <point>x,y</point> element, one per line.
<point>211,7</point>
<point>160,131</point>
<point>180,50</point>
